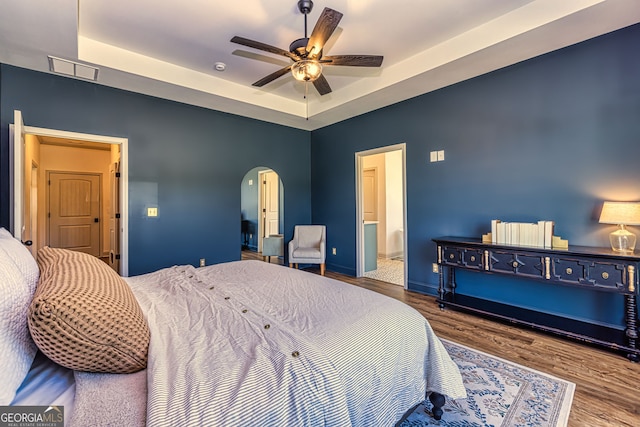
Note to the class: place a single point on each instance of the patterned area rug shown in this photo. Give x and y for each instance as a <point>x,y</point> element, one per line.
<point>499,393</point>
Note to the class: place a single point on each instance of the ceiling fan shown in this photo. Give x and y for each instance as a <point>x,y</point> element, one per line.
<point>306,53</point>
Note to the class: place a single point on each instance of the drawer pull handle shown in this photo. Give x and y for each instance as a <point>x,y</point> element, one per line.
<point>515,264</point>
<point>473,258</point>
<point>451,256</point>
<point>605,275</point>
<point>569,270</point>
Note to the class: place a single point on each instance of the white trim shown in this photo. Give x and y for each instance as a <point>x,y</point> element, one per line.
<point>16,169</point>
<point>124,180</point>
<point>359,206</point>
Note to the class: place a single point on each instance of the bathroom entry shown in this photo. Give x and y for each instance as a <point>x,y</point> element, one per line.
<point>380,204</point>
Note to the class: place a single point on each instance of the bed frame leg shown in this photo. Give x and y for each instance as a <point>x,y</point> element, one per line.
<point>437,400</point>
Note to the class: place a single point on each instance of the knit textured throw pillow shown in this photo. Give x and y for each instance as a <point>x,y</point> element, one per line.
<point>85,317</point>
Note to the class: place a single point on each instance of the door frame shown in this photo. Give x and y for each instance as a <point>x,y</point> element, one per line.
<point>359,166</point>
<point>124,178</point>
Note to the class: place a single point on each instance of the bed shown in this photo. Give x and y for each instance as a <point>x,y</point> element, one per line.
<point>238,343</point>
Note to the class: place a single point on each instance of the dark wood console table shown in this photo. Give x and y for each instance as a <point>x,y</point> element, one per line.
<point>599,269</point>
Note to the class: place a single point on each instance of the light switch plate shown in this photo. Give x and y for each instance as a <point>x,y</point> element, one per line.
<point>434,156</point>
<point>440,155</point>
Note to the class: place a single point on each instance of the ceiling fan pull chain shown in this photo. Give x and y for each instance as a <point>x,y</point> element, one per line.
<point>306,97</point>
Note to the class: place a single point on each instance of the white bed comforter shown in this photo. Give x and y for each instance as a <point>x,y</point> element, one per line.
<point>249,343</point>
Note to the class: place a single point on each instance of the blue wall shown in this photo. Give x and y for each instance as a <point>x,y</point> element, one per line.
<point>190,159</point>
<point>548,138</point>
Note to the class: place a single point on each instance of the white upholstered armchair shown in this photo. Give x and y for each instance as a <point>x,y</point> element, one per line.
<point>308,246</point>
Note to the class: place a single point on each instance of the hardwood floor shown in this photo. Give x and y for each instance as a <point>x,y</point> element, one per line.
<point>607,384</point>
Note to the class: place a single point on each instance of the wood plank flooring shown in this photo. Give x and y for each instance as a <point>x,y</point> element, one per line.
<point>607,384</point>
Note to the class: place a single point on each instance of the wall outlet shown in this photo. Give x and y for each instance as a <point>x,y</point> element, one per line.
<point>434,267</point>
<point>202,262</point>
<point>333,251</point>
<point>152,211</point>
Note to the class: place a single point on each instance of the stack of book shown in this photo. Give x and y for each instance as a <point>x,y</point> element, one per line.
<point>538,234</point>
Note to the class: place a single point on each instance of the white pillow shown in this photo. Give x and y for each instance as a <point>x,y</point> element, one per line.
<point>21,256</point>
<point>18,279</point>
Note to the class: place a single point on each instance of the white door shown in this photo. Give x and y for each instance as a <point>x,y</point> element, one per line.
<point>17,196</point>
<point>269,205</point>
<point>114,216</point>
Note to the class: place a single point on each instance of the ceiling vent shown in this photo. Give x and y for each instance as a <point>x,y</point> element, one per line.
<point>73,69</point>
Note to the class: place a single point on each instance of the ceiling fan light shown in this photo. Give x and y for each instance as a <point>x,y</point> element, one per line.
<point>306,70</point>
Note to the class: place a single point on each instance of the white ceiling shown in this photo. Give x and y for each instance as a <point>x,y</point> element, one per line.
<point>168,48</point>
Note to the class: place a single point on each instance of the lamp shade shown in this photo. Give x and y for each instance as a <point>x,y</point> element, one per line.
<point>626,213</point>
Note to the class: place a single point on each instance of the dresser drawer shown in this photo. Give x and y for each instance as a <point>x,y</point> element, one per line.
<point>609,276</point>
<point>452,255</point>
<point>522,264</point>
<point>570,271</point>
<point>606,275</point>
<point>462,257</point>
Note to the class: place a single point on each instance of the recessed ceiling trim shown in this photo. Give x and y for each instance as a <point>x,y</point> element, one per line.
<point>72,68</point>
<point>141,65</point>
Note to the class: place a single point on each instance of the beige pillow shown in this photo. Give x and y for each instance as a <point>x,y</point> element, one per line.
<point>85,317</point>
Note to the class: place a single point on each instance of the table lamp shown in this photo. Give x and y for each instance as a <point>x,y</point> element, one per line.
<point>621,214</point>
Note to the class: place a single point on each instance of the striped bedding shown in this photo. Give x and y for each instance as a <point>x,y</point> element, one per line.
<point>252,343</point>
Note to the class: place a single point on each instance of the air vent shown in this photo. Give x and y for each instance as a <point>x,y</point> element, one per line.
<point>73,69</point>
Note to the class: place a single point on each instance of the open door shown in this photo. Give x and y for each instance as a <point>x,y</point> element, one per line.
<point>389,225</point>
<point>114,216</point>
<point>269,205</point>
<point>17,222</point>
<point>16,134</point>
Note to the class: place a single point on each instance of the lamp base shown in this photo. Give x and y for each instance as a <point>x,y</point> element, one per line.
<point>622,240</point>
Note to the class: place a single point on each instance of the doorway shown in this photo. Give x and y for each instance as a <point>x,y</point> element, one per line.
<point>381,214</point>
<point>269,205</point>
<point>261,209</point>
<point>28,196</point>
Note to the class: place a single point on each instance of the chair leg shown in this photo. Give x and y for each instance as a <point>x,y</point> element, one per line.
<point>322,268</point>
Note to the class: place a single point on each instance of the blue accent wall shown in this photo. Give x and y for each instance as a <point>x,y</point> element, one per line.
<point>189,160</point>
<point>548,138</point>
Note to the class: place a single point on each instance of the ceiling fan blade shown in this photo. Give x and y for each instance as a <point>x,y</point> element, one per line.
<point>271,77</point>
<point>262,46</point>
<point>326,25</point>
<point>353,60</point>
<point>322,85</point>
